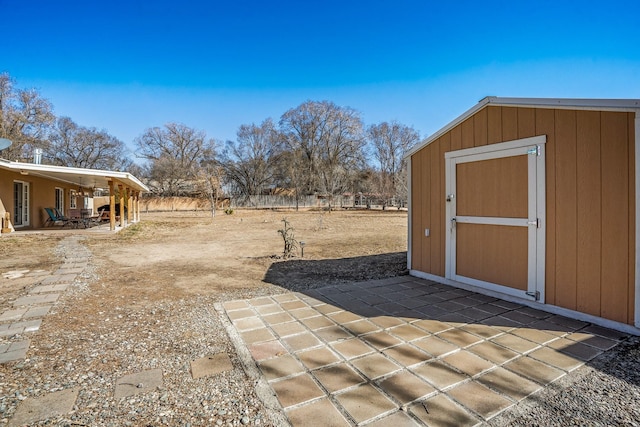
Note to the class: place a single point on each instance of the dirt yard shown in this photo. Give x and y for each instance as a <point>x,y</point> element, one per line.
<point>172,255</point>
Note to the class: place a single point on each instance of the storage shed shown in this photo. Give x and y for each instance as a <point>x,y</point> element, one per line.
<point>536,201</point>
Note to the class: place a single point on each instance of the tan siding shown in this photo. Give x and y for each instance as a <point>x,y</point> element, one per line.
<point>467,133</point>
<point>509,123</point>
<point>456,138</point>
<point>435,214</point>
<point>589,212</point>
<point>494,125</point>
<point>480,128</point>
<point>445,147</point>
<point>566,218</point>
<point>417,190</point>
<point>526,122</point>
<point>545,125</point>
<point>615,225</point>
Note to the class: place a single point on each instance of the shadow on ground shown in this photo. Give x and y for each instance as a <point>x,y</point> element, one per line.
<point>301,274</point>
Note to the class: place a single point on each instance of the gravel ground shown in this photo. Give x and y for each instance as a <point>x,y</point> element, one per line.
<point>605,392</point>
<point>94,336</point>
<point>81,346</point>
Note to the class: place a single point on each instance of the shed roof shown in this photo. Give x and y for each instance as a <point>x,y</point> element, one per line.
<point>556,103</point>
<point>76,176</point>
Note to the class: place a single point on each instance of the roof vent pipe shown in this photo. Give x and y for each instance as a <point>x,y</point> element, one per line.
<point>37,156</point>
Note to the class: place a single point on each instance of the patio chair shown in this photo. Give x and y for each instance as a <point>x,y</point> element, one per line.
<point>54,217</point>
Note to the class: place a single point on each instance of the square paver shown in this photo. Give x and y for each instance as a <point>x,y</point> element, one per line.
<point>468,363</point>
<point>360,327</point>
<point>296,390</point>
<point>32,410</point>
<point>440,411</point>
<point>407,355</point>
<point>397,419</point>
<point>333,333</point>
<point>435,346</point>
<point>534,335</point>
<point>364,403</point>
<point>480,399</point>
<point>256,302</point>
<point>235,305</point>
<point>289,328</point>
<point>515,343</point>
<point>459,337</point>
<point>327,308</point>
<point>405,387</point>
<point>575,349</point>
<point>352,348</point>
<point>280,367</point>
<point>375,365</point>
<point>292,305</point>
<point>248,323</point>
<point>240,314</point>
<point>301,341</point>
<point>534,370</point>
<point>493,352</point>
<point>257,335</point>
<point>36,299</point>
<point>439,374</point>
<point>210,365</point>
<point>37,311</point>
<point>338,377</point>
<point>320,413</point>
<point>267,350</point>
<point>317,322</point>
<point>344,317</point>
<point>592,340</point>
<point>317,357</point>
<point>303,313</point>
<point>408,332</point>
<point>387,321</point>
<point>276,318</point>
<point>481,330</point>
<point>556,359</point>
<point>269,309</point>
<point>509,383</point>
<point>381,340</point>
<point>15,314</point>
<point>140,382</point>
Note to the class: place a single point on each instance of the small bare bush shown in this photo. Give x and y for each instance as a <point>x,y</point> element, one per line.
<point>290,243</point>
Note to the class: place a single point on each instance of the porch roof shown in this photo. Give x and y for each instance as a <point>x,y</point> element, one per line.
<point>87,178</point>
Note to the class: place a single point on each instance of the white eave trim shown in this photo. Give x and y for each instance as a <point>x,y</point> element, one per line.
<point>42,170</point>
<point>630,105</point>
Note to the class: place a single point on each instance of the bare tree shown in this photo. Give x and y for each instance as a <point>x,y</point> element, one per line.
<point>175,153</point>
<point>79,146</point>
<point>25,118</point>
<point>390,142</point>
<point>328,140</point>
<point>249,163</point>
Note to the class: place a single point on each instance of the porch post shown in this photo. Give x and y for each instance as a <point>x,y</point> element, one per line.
<point>131,207</point>
<point>121,189</point>
<point>137,202</point>
<point>112,206</point>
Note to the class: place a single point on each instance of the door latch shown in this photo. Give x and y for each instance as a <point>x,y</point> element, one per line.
<point>535,295</point>
<point>450,197</point>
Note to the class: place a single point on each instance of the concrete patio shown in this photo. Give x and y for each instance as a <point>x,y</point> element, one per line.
<point>406,352</point>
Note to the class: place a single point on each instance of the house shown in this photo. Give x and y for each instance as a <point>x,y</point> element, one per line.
<point>535,201</point>
<point>26,189</point>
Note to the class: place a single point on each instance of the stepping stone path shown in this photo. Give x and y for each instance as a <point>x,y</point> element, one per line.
<point>26,315</point>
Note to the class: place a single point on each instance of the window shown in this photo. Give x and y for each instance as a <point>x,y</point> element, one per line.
<point>60,200</point>
<point>72,199</point>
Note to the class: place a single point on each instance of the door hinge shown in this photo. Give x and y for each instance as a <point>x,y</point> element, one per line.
<point>535,295</point>
<point>535,151</point>
<point>535,222</point>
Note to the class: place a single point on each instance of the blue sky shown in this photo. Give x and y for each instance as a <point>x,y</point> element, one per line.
<point>213,65</point>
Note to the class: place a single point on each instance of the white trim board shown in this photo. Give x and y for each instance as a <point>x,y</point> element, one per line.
<point>605,323</point>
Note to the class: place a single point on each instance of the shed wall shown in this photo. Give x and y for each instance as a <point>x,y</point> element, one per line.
<point>590,199</point>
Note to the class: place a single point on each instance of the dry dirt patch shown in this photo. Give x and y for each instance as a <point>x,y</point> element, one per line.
<point>190,253</point>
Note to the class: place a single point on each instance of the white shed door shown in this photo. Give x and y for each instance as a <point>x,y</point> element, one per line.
<point>495,217</point>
